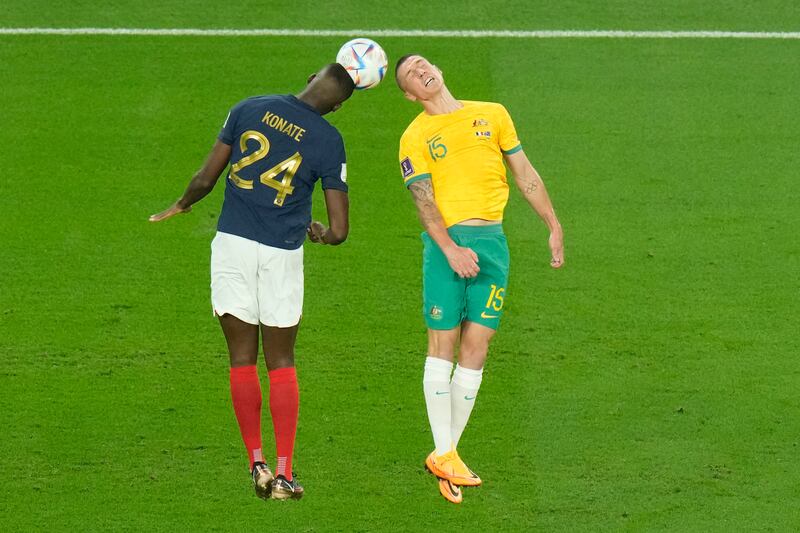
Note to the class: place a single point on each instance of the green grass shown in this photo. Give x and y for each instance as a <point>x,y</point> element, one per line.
<point>650,385</point>
<point>765,15</point>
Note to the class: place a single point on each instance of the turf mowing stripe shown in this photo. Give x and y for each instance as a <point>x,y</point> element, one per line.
<point>472,34</point>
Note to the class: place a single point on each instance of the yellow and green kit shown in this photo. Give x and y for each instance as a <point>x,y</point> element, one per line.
<point>462,154</point>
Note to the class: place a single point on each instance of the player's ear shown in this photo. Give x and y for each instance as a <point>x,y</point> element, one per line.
<point>336,107</point>
<point>409,96</point>
<point>310,78</point>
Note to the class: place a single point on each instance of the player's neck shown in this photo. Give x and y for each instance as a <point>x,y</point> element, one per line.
<point>308,97</point>
<point>441,104</point>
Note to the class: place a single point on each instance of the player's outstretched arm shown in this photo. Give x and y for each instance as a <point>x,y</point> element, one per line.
<point>201,184</point>
<point>338,206</point>
<point>463,261</point>
<point>532,187</point>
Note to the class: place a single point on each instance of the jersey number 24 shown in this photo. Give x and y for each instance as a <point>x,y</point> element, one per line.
<point>288,166</point>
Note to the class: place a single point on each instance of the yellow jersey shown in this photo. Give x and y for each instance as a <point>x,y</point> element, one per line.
<point>462,154</point>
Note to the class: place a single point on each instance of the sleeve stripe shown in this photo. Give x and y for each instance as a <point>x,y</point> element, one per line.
<point>418,177</point>
<point>514,150</point>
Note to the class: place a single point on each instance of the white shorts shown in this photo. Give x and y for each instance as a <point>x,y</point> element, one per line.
<point>256,283</point>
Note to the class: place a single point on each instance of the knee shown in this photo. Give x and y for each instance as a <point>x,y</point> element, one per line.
<point>243,359</point>
<point>441,345</point>
<point>474,345</point>
<point>473,354</point>
<point>279,360</point>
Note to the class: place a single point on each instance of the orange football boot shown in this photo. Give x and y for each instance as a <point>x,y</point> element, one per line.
<point>450,466</point>
<point>452,493</point>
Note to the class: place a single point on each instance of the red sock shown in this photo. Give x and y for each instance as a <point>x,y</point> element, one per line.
<point>284,405</point>
<point>246,395</point>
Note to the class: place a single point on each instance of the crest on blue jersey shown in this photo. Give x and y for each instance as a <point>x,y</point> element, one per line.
<point>406,167</point>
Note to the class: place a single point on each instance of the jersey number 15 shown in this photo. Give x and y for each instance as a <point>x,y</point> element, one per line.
<point>289,166</point>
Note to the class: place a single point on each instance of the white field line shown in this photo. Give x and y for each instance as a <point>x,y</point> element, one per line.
<point>472,34</point>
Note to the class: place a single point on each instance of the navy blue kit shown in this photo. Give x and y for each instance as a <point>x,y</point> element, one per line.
<point>280,148</point>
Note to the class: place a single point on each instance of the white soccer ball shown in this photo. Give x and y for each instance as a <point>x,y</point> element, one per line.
<point>364,60</point>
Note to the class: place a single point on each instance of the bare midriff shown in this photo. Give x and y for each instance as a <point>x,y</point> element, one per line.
<point>478,222</point>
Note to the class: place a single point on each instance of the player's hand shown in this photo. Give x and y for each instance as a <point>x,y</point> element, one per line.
<point>171,211</point>
<point>315,232</point>
<point>463,261</point>
<point>556,243</point>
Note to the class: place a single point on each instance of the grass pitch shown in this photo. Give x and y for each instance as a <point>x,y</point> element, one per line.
<point>650,385</point>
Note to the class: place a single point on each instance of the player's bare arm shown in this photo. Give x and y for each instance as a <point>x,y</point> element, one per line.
<point>534,191</point>
<point>201,184</point>
<point>338,206</point>
<point>463,261</point>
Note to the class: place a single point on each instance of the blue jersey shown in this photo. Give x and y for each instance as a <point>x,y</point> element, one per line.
<point>280,147</point>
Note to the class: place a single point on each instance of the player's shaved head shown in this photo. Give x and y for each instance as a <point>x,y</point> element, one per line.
<point>328,88</point>
<point>397,68</point>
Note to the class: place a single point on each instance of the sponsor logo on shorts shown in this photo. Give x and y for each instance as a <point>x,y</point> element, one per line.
<point>484,315</point>
<point>436,312</point>
<point>407,168</point>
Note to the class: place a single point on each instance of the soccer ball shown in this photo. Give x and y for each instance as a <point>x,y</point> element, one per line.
<point>364,60</point>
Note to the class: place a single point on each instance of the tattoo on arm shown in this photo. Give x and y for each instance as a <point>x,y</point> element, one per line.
<point>529,185</point>
<point>422,191</point>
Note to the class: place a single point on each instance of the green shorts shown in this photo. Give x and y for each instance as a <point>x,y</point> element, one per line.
<point>449,300</point>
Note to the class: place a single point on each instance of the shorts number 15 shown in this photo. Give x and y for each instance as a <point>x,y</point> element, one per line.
<point>495,300</point>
